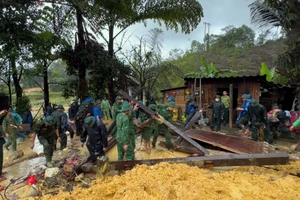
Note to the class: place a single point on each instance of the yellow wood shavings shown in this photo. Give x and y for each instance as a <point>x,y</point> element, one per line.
<point>166,181</point>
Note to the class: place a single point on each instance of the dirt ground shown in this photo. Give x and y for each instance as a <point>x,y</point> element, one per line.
<point>162,181</point>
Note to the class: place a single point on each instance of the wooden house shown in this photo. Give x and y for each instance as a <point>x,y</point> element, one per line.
<point>268,94</point>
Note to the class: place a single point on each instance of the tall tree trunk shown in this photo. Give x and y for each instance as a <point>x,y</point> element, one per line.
<point>110,83</point>
<point>9,85</point>
<point>46,84</point>
<point>15,77</point>
<point>81,46</point>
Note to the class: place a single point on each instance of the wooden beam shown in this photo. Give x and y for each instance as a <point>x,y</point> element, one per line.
<point>212,161</point>
<point>230,107</point>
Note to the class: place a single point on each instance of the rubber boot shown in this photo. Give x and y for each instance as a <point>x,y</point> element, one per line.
<point>48,161</point>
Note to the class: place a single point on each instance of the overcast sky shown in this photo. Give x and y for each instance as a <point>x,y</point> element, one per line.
<point>219,13</point>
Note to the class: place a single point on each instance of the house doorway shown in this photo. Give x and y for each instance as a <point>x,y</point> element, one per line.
<point>234,98</point>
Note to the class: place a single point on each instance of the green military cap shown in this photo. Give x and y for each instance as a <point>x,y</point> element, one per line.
<point>98,102</point>
<point>253,102</point>
<point>218,96</point>
<point>188,96</point>
<point>172,104</point>
<point>152,107</point>
<point>245,96</point>
<point>118,98</point>
<point>81,107</point>
<point>125,106</point>
<point>49,120</point>
<point>60,107</point>
<point>89,121</point>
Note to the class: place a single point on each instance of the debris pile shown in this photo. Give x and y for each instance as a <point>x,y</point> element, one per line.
<point>180,181</point>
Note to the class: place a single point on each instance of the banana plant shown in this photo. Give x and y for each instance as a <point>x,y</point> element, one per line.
<point>264,70</point>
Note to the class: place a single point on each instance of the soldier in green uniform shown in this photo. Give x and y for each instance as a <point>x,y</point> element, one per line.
<point>10,128</point>
<point>47,133</point>
<point>2,142</point>
<point>61,119</point>
<point>105,106</point>
<point>166,111</point>
<point>225,99</point>
<point>117,107</point>
<point>217,114</point>
<point>147,131</point>
<point>125,132</point>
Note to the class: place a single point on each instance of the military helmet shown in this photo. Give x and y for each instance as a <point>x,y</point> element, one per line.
<point>152,107</point>
<point>118,98</point>
<point>172,104</point>
<point>89,121</point>
<point>188,96</point>
<point>60,107</point>
<point>253,103</point>
<point>245,96</point>
<point>125,106</point>
<point>49,120</point>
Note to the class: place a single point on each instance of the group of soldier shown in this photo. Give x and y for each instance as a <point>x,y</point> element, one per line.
<point>124,115</point>
<point>85,120</point>
<point>252,118</point>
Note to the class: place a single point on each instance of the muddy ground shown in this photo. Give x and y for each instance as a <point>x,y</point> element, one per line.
<point>33,162</point>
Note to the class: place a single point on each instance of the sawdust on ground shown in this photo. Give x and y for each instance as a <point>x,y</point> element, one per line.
<point>180,181</point>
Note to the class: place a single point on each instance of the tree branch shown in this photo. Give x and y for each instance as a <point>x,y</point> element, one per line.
<point>6,82</point>
<point>39,85</point>
<point>286,74</point>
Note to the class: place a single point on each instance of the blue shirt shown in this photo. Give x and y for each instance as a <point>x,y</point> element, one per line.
<point>17,117</point>
<point>97,112</point>
<point>190,107</point>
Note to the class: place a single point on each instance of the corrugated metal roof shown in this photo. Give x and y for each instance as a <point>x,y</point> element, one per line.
<point>224,75</point>
<point>176,88</point>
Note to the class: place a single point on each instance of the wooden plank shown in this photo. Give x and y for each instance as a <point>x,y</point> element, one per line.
<point>231,143</point>
<point>111,127</point>
<point>141,105</point>
<point>162,120</point>
<point>193,120</point>
<point>185,137</point>
<point>212,161</point>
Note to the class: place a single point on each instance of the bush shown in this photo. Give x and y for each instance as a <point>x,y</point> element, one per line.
<point>22,104</point>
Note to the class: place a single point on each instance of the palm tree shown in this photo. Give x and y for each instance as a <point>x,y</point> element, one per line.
<point>286,15</point>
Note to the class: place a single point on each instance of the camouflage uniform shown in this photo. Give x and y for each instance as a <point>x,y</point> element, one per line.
<point>60,119</point>
<point>105,108</point>
<point>147,131</point>
<point>47,138</point>
<point>167,114</point>
<point>116,110</point>
<point>12,131</point>
<point>125,136</point>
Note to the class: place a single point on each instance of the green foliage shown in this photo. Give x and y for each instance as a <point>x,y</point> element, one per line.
<point>232,37</point>
<point>22,104</point>
<point>265,71</point>
<point>174,14</point>
<point>210,71</point>
<point>284,14</point>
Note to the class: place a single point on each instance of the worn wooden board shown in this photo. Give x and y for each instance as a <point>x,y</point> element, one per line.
<point>231,143</point>
<point>193,120</point>
<point>212,161</point>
